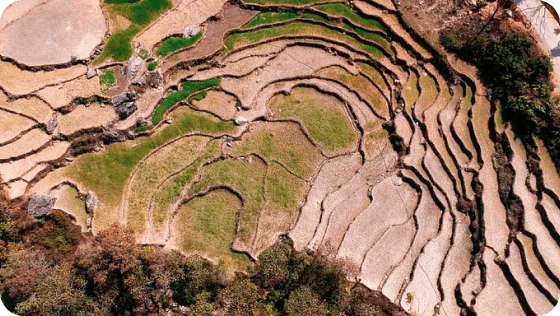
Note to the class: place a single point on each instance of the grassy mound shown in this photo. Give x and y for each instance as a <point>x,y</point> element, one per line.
<point>206,225</point>
<point>327,125</point>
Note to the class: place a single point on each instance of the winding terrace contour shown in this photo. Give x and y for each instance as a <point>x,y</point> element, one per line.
<point>323,122</point>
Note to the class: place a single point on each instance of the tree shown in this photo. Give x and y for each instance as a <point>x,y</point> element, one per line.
<point>305,302</point>
<point>242,298</point>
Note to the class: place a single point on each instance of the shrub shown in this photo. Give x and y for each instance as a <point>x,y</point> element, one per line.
<point>152,65</point>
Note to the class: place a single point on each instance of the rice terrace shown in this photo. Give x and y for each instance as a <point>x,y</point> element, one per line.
<point>407,152</point>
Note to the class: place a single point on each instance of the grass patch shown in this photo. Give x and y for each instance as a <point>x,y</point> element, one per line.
<point>207,224</point>
<point>326,124</point>
<point>106,173</point>
<point>363,86</point>
<point>298,28</point>
<point>284,143</point>
<point>143,12</point>
<point>171,190</point>
<point>247,179</point>
<point>342,10</point>
<point>375,75</point>
<point>198,96</point>
<point>118,46</point>
<point>188,88</point>
<point>152,172</point>
<point>152,66</point>
<point>274,17</point>
<point>429,89</point>
<point>175,43</point>
<point>269,17</point>
<point>283,190</point>
<point>107,80</point>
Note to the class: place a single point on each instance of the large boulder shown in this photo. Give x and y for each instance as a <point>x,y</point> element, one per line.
<point>124,104</point>
<point>91,202</point>
<point>135,64</point>
<point>40,205</point>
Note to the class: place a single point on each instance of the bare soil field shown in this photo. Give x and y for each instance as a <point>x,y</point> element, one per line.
<point>344,127</point>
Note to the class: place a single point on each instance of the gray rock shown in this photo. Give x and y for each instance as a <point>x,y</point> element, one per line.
<point>52,124</point>
<point>125,109</point>
<point>88,222</point>
<point>190,31</point>
<point>240,120</point>
<point>91,202</point>
<point>140,81</point>
<point>40,205</point>
<point>123,98</point>
<point>91,73</point>
<point>135,64</point>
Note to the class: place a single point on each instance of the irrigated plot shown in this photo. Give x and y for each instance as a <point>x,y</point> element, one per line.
<point>283,142</point>
<point>323,116</point>
<point>245,176</point>
<point>206,225</point>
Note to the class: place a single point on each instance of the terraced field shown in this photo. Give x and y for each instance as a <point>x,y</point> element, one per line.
<point>312,119</point>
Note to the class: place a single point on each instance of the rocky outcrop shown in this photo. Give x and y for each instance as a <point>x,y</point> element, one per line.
<point>40,205</point>
<point>91,73</point>
<point>91,202</point>
<point>124,104</point>
<point>240,120</point>
<point>52,125</point>
<point>134,66</point>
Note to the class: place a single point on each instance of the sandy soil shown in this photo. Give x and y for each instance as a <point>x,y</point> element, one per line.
<point>62,94</point>
<point>29,142</point>
<point>218,103</point>
<point>231,17</point>
<point>32,108</point>
<point>37,39</point>
<point>12,125</point>
<point>20,82</point>
<point>15,169</point>
<point>86,117</point>
<point>497,298</point>
<point>332,174</point>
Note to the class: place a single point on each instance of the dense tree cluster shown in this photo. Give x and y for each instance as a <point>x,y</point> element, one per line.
<point>518,78</point>
<point>48,267</point>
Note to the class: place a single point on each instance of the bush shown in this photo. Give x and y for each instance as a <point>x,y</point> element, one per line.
<point>152,65</point>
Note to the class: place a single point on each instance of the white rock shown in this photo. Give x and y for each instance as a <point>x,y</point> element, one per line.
<point>190,31</point>
<point>240,120</point>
